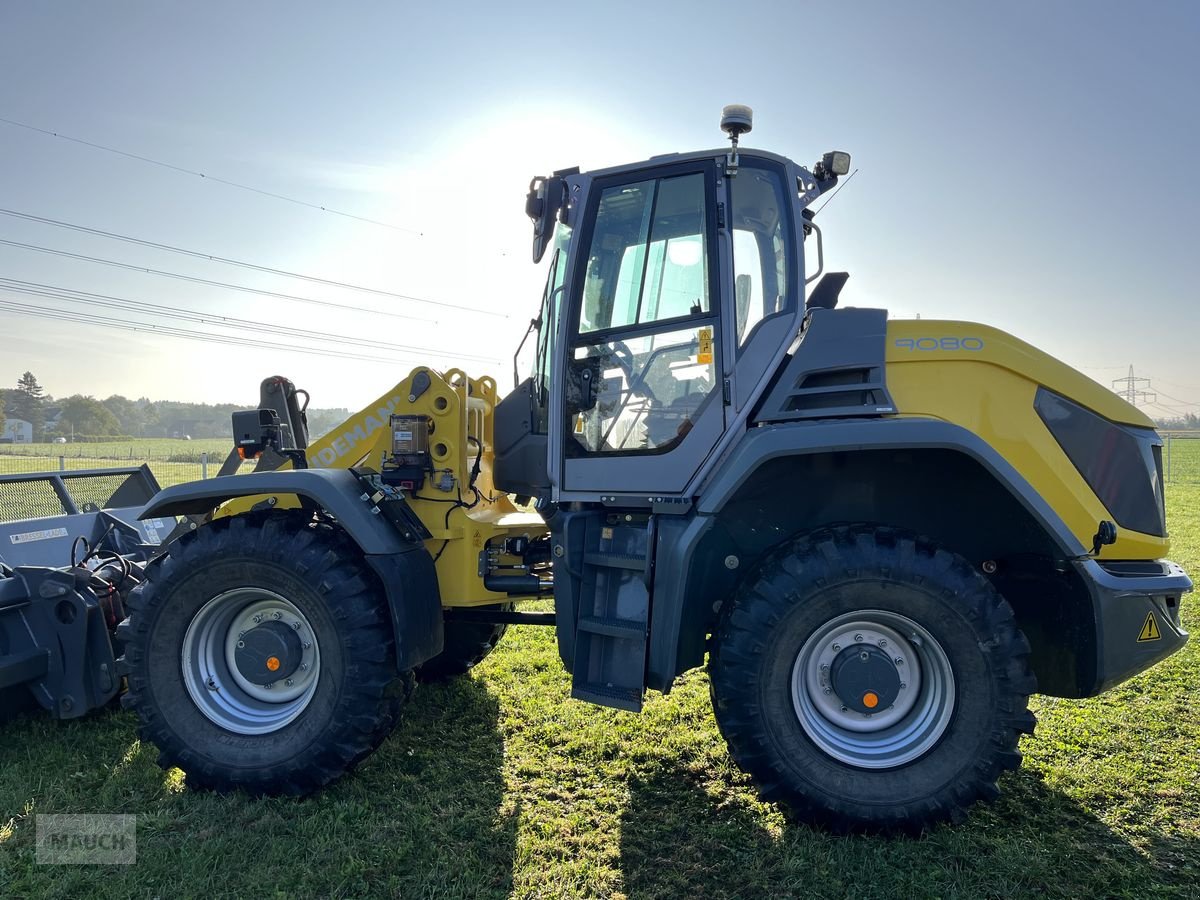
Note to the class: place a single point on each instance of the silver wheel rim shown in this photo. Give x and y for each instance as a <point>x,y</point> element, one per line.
<point>899,734</point>
<point>221,692</point>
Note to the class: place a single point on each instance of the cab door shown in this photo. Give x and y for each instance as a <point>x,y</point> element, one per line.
<point>642,403</point>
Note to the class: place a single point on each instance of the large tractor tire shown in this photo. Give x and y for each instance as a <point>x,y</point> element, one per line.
<point>465,646</point>
<point>259,656</point>
<point>870,680</point>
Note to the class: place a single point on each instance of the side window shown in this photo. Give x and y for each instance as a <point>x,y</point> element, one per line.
<point>536,355</point>
<point>761,247</point>
<point>648,260</point>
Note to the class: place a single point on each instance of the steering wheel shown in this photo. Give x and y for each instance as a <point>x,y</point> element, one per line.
<point>627,362</point>
<point>623,357</point>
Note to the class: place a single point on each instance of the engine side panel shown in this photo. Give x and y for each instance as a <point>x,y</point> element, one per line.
<point>986,382</point>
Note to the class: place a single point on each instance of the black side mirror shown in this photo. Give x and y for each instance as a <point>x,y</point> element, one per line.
<point>546,198</point>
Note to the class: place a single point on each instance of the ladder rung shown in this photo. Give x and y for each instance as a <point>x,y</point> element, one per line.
<point>620,698</point>
<point>613,626</point>
<point>616,560</point>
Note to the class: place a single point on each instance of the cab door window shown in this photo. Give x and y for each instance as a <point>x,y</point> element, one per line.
<point>644,361</point>
<point>648,259</point>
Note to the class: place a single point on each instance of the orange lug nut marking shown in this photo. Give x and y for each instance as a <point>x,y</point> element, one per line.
<point>273,664</point>
<point>870,699</point>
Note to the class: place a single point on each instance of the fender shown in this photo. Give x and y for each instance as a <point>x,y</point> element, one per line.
<point>404,567</point>
<point>764,444</point>
<point>683,607</point>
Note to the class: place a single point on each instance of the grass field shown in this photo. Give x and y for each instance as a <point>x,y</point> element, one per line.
<point>499,785</point>
<point>139,449</point>
<point>171,461</point>
<point>1181,458</point>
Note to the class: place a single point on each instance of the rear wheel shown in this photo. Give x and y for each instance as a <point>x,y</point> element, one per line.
<point>465,646</point>
<point>868,679</point>
<point>259,655</point>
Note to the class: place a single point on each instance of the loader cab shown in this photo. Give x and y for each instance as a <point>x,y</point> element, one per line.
<point>675,289</point>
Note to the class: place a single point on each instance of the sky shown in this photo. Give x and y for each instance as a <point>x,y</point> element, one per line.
<point>1023,164</point>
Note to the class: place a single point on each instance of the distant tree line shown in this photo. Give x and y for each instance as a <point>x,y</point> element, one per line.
<point>84,417</point>
<point>1188,421</point>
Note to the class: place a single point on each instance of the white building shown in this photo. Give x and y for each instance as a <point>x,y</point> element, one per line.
<point>18,431</point>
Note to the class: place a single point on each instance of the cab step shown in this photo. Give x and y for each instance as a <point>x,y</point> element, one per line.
<point>629,699</point>
<point>613,624</point>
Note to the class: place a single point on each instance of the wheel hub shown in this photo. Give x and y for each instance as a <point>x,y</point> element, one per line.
<point>865,679</point>
<point>250,660</point>
<point>268,653</point>
<point>873,689</point>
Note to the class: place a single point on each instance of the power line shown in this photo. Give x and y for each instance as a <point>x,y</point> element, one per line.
<point>92,300</point>
<point>1162,405</point>
<point>127,326</point>
<point>1172,410</point>
<point>220,284</point>
<point>1177,403</point>
<point>207,177</point>
<point>31,288</point>
<point>1177,400</point>
<point>1186,387</point>
<point>196,254</point>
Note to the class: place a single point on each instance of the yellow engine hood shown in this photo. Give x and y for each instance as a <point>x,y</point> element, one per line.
<point>985,380</point>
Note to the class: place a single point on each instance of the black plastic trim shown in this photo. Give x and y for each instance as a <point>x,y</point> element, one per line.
<point>1122,604</point>
<point>1117,461</point>
<point>337,491</point>
<point>797,438</point>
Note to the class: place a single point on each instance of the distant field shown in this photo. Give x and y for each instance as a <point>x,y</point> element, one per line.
<point>172,461</point>
<point>1181,457</point>
<point>139,449</point>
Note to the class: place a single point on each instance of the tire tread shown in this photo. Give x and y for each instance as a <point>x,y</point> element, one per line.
<point>373,692</point>
<point>812,562</point>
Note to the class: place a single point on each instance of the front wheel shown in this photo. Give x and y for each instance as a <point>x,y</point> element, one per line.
<point>259,656</point>
<point>871,680</point>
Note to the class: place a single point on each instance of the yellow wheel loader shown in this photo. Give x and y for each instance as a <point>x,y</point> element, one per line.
<point>880,536</point>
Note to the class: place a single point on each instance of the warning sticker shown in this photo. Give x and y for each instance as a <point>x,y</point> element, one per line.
<point>1150,630</point>
<point>705,353</point>
<point>29,537</point>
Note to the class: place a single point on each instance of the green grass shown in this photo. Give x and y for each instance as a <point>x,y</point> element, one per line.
<point>498,784</point>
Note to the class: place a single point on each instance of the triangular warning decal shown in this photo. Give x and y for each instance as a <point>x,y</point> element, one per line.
<point>1150,630</point>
